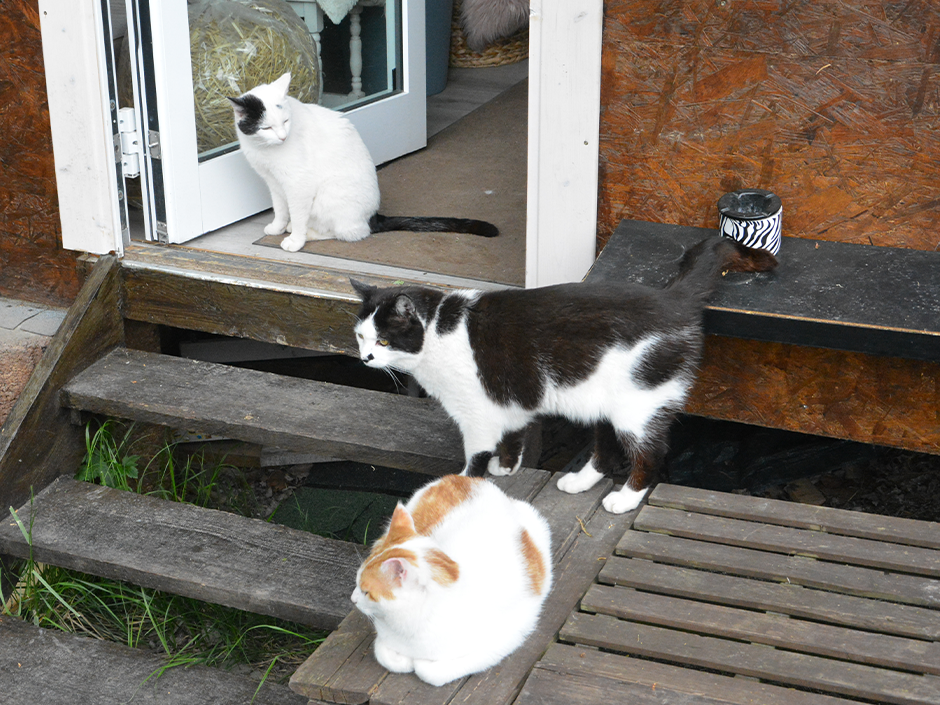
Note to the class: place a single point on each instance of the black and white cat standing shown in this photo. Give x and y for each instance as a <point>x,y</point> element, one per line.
<point>321,176</point>
<point>621,358</point>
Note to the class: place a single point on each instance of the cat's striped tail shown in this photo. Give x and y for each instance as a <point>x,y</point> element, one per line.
<point>702,264</point>
<point>418,224</point>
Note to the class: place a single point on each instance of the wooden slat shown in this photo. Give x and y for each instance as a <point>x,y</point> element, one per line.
<point>49,666</point>
<point>763,628</point>
<point>828,675</point>
<point>816,544</point>
<point>802,516</point>
<point>544,687</point>
<point>852,580</point>
<point>343,668</point>
<point>271,410</point>
<point>785,598</point>
<point>653,676</point>
<point>210,555</point>
<point>37,441</point>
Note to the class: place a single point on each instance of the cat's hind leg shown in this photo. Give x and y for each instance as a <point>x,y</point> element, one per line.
<point>646,458</point>
<point>392,660</point>
<point>508,456</point>
<point>608,457</point>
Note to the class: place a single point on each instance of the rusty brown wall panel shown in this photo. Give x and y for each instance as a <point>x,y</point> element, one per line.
<point>33,265</point>
<point>833,105</point>
<point>886,401</point>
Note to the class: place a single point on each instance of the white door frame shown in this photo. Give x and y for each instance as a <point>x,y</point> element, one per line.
<point>564,114</point>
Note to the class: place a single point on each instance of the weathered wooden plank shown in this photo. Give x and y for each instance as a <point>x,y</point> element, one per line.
<point>343,668</point>
<point>37,441</point>
<point>49,666</point>
<point>652,675</point>
<point>793,668</point>
<point>762,628</point>
<point>211,555</point>
<point>784,598</point>
<point>770,511</point>
<point>271,410</point>
<point>249,297</point>
<point>875,300</point>
<point>816,544</point>
<point>799,570</point>
<point>544,687</point>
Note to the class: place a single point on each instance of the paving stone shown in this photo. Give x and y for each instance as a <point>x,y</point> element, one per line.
<point>46,322</point>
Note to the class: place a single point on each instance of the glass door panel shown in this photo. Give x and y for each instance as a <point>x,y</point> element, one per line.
<point>369,64</point>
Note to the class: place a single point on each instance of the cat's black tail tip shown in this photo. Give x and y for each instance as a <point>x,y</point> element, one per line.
<point>381,224</point>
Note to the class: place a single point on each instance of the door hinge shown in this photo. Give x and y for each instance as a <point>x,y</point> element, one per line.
<point>130,143</point>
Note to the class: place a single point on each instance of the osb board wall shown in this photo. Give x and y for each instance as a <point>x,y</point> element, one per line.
<point>33,265</point>
<point>886,401</point>
<point>832,104</point>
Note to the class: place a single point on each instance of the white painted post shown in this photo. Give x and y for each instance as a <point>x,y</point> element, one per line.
<point>564,122</point>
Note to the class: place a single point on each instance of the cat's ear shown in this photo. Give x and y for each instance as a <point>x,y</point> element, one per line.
<point>283,83</point>
<point>365,291</point>
<point>396,570</point>
<point>239,106</point>
<point>402,526</point>
<point>405,307</point>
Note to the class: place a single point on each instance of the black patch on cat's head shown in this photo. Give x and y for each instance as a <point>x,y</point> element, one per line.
<point>249,113</point>
<point>399,313</point>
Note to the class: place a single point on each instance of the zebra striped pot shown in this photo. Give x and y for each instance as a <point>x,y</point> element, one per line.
<point>753,217</point>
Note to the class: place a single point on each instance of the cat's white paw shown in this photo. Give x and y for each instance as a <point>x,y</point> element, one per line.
<point>581,481</point>
<point>435,673</point>
<point>293,243</point>
<point>494,467</point>
<point>623,500</point>
<point>392,660</point>
<point>275,228</point>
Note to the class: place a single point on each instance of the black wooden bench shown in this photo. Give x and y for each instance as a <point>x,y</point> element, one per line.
<point>857,298</point>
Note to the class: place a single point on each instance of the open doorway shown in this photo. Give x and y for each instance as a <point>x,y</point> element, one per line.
<point>474,167</point>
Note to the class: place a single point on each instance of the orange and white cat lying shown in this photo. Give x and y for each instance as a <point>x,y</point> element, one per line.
<point>457,582</point>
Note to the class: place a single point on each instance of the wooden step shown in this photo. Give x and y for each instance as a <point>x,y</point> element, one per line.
<point>210,555</point>
<point>49,666</point>
<point>858,298</point>
<point>270,410</point>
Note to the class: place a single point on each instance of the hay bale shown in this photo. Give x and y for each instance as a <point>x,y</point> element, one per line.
<point>237,45</point>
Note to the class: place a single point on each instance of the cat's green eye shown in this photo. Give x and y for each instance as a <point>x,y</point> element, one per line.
<point>382,342</point>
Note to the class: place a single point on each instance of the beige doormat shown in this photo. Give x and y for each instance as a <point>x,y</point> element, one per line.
<point>476,168</point>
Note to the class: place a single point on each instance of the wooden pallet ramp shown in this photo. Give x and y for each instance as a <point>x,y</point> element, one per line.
<point>777,602</point>
<point>210,555</point>
<point>344,670</point>
<point>48,666</point>
<point>270,410</point>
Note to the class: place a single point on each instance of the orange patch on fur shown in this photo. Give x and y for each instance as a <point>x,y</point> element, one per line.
<point>534,562</point>
<point>444,570</point>
<point>439,500</point>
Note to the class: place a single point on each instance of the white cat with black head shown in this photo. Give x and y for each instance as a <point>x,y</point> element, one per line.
<point>320,174</point>
<point>621,358</point>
